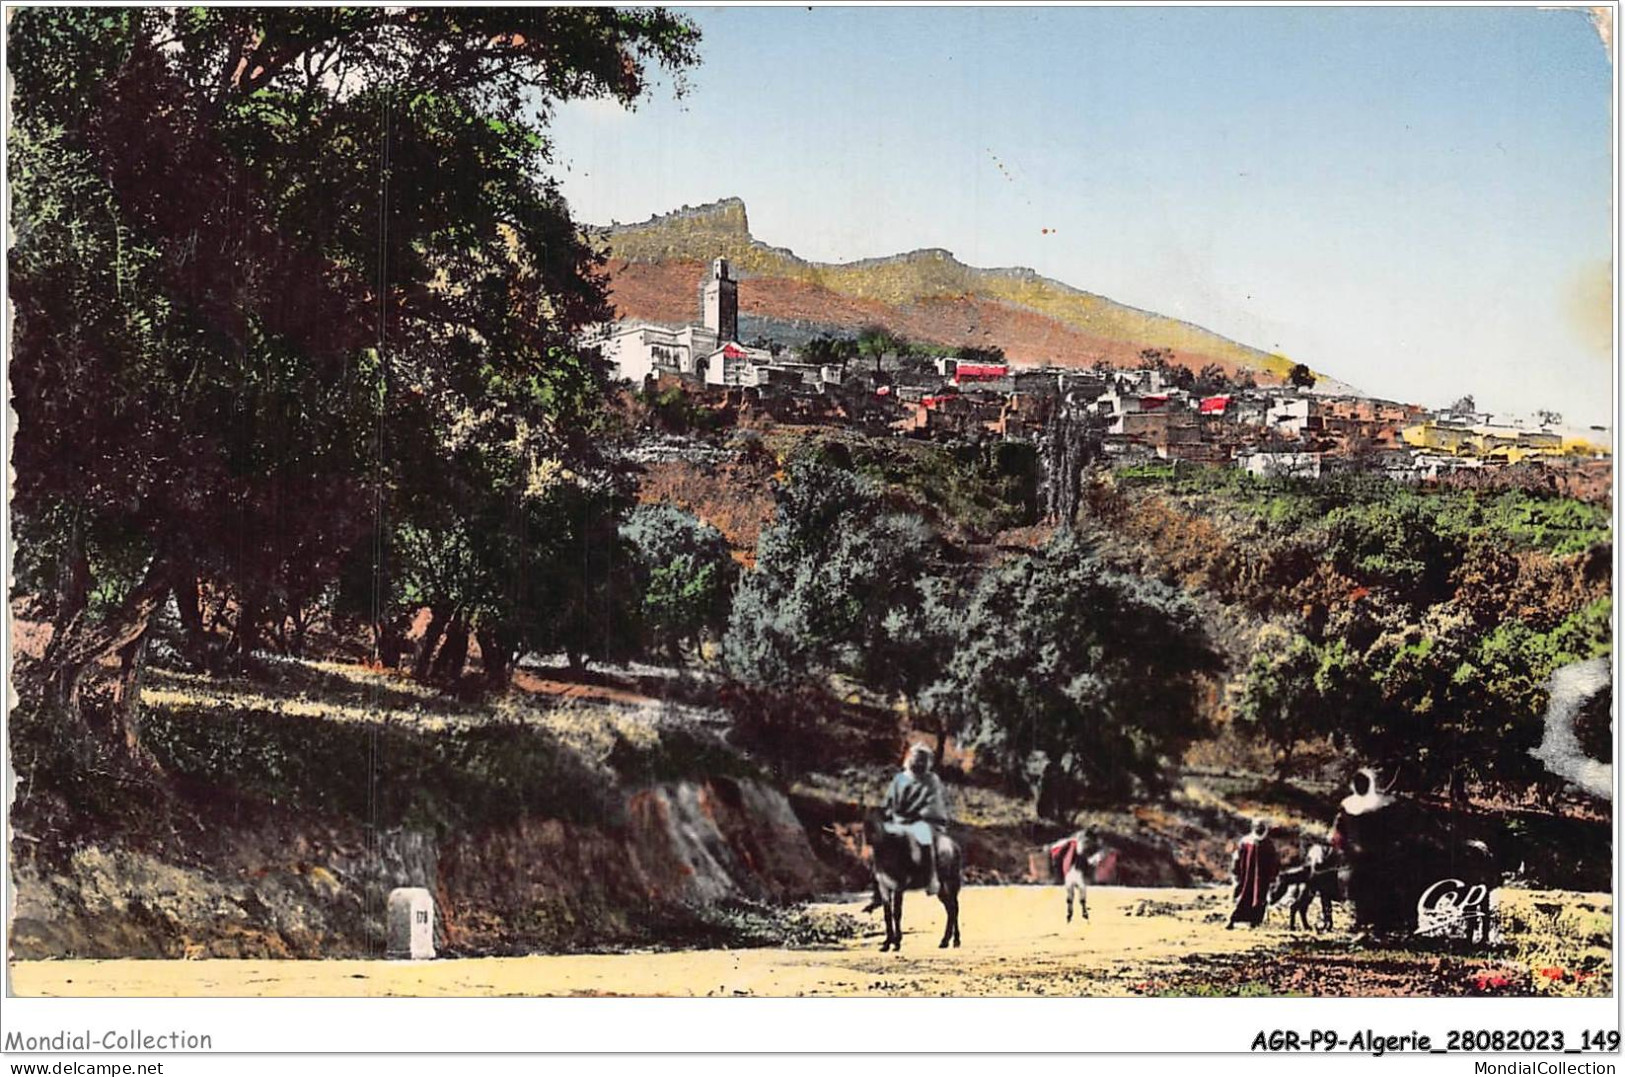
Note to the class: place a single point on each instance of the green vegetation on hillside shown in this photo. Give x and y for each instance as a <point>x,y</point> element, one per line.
<point>1410,626</point>
<point>279,394</point>
<point>976,488</point>
<point>1082,679</point>
<point>1557,525</point>
<point>1074,680</point>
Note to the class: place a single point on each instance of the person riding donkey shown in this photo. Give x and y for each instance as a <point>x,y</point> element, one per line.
<point>916,805</point>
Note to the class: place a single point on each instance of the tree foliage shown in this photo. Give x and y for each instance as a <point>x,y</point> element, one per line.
<point>1444,698</point>
<point>1403,542</point>
<point>685,576</point>
<point>1212,379</point>
<point>837,566</point>
<point>875,341</point>
<point>829,350</point>
<point>1073,439</point>
<point>271,264</point>
<point>1280,703</point>
<point>1416,628</point>
<point>990,354</point>
<point>1081,679</point>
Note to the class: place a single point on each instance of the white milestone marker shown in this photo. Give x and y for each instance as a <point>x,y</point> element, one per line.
<point>411,924</point>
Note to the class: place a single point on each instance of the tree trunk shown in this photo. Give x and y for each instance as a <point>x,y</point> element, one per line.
<point>280,632</point>
<point>191,611</point>
<point>1283,766</point>
<point>81,644</point>
<point>438,618</point>
<point>941,730</point>
<point>73,587</point>
<point>1458,785</point>
<point>214,614</point>
<point>124,718</point>
<point>496,657</point>
<point>1054,796</point>
<point>448,664</point>
<point>301,617</point>
<point>389,642</point>
<point>250,610</point>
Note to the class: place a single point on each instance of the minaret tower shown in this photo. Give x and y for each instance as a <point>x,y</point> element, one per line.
<point>720,302</point>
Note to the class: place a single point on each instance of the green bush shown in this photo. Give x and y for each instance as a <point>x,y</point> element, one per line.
<point>1079,679</point>
<point>684,576</point>
<point>376,773</point>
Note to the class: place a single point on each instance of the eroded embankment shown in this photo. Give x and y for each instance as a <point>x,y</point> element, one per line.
<point>677,853</point>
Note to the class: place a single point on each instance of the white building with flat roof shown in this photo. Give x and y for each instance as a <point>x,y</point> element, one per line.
<point>735,364</point>
<point>637,350</point>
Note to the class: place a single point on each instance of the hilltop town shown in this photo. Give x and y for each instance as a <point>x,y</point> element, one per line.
<point>1302,426</point>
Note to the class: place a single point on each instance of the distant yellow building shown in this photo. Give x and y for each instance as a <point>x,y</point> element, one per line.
<point>1453,438</point>
<point>1578,446</point>
<point>1483,441</point>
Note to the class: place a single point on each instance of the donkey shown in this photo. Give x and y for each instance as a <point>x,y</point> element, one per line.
<point>1316,877</point>
<point>899,865</point>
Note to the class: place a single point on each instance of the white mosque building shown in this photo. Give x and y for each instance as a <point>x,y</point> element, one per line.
<point>638,350</point>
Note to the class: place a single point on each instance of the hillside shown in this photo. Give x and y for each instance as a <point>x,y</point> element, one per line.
<point>646,804</point>
<point>927,295</point>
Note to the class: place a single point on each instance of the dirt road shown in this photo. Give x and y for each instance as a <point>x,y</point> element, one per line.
<point>1016,942</point>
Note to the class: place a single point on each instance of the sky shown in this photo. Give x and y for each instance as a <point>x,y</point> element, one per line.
<point>1417,201</point>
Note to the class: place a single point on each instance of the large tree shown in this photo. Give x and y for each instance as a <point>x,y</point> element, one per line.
<point>269,265</point>
<point>839,580</point>
<point>1279,702</point>
<point>1080,679</point>
<point>684,577</point>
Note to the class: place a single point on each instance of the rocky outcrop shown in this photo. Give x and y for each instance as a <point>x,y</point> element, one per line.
<point>927,295</point>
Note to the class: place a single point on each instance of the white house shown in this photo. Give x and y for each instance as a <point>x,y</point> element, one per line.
<point>1291,415</point>
<point>635,350</point>
<point>1281,465</point>
<point>735,364</point>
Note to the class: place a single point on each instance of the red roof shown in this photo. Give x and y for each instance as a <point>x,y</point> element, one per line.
<point>980,370</point>
<point>1213,405</point>
<point>732,351</point>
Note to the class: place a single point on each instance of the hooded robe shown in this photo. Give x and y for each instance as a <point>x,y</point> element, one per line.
<point>917,806</point>
<point>1255,866</point>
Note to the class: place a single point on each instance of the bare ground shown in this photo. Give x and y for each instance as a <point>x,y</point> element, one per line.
<point>1016,943</point>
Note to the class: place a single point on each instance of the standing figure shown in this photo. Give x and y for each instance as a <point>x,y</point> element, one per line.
<point>915,805</point>
<point>1073,860</point>
<point>1254,867</point>
<point>1391,851</point>
<point>1363,835</point>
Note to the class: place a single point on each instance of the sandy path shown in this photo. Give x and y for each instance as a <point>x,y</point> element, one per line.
<point>1016,942</point>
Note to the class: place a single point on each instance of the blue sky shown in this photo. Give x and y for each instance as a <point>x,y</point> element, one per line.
<point>1417,201</point>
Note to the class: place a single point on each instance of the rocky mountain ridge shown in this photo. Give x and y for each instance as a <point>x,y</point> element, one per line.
<point>927,295</point>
